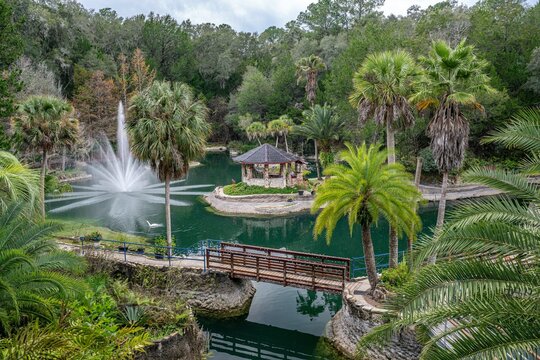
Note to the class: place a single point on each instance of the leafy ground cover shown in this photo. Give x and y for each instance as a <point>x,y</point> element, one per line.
<point>241,188</point>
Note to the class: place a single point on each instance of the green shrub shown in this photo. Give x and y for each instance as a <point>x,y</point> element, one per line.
<point>395,278</point>
<point>241,188</point>
<point>54,186</point>
<point>160,244</point>
<point>94,236</point>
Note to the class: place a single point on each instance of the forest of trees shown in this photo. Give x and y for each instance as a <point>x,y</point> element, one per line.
<point>95,58</point>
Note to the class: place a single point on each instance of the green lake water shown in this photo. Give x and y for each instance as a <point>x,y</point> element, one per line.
<point>283,322</point>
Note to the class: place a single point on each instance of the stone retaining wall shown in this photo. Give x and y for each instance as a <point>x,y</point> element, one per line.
<point>189,345</point>
<point>354,320</point>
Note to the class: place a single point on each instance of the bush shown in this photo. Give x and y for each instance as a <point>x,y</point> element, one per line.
<point>395,278</point>
<point>94,236</point>
<point>241,188</point>
<point>160,244</point>
<point>54,186</point>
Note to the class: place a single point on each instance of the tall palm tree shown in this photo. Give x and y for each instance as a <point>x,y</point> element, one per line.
<point>44,123</point>
<point>256,130</point>
<point>168,129</point>
<point>18,183</point>
<point>381,88</point>
<point>322,125</point>
<point>308,70</point>
<point>32,269</point>
<point>280,127</point>
<point>364,189</point>
<point>451,80</point>
<point>481,300</point>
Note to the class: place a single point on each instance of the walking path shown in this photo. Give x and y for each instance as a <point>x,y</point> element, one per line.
<point>276,205</point>
<point>194,262</point>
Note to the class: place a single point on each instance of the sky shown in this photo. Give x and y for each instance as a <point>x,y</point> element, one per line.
<point>242,15</point>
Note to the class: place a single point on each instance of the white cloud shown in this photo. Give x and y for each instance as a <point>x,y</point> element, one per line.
<point>246,15</point>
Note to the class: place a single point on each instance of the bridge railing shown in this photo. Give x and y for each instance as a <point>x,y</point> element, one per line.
<point>358,265</point>
<point>278,269</point>
<point>194,252</point>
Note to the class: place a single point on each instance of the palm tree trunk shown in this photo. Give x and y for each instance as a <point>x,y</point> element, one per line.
<point>392,234</point>
<point>168,214</point>
<point>259,140</point>
<point>317,160</point>
<point>277,140</point>
<point>286,143</point>
<point>369,256</point>
<point>64,158</point>
<point>42,183</point>
<point>442,210</point>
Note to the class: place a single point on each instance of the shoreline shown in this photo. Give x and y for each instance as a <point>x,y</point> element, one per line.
<point>289,204</point>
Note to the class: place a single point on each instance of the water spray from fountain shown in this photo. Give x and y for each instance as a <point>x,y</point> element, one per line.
<point>118,176</point>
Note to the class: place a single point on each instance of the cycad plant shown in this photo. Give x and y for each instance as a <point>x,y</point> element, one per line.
<point>482,298</point>
<point>363,189</point>
<point>322,125</point>
<point>18,183</point>
<point>45,123</point>
<point>381,88</point>
<point>168,129</point>
<point>452,79</point>
<point>32,270</point>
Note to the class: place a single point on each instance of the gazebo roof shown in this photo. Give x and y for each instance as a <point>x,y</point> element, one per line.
<point>267,154</point>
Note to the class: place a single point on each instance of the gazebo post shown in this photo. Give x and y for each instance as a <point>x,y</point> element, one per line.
<point>282,174</point>
<point>299,174</point>
<point>266,176</point>
<point>243,173</point>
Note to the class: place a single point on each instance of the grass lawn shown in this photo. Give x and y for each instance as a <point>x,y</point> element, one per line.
<point>241,188</point>
<point>77,228</point>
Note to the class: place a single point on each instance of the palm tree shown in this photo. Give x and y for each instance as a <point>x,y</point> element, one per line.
<point>168,130</point>
<point>364,189</point>
<point>32,269</point>
<point>280,127</point>
<point>323,126</point>
<point>308,69</point>
<point>481,300</point>
<point>381,88</point>
<point>17,182</point>
<point>45,123</point>
<point>452,79</point>
<point>256,130</point>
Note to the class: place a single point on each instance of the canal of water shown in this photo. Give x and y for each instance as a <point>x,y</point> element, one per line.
<point>283,322</point>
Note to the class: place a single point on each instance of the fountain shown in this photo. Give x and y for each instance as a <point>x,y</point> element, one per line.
<point>121,178</point>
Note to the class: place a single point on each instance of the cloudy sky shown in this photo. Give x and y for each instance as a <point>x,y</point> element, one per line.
<point>246,15</point>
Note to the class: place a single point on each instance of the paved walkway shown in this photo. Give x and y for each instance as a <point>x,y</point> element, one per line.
<point>195,262</point>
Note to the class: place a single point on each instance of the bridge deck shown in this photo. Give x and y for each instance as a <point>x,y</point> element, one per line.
<point>289,268</point>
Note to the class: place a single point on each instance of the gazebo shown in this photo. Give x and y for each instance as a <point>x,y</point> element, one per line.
<point>269,166</point>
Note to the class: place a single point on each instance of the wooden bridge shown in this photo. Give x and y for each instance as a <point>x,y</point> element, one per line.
<point>288,268</point>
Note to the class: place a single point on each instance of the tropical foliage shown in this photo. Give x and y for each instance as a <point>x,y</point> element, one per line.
<point>32,274</point>
<point>45,123</point>
<point>480,301</point>
<point>322,125</point>
<point>168,130</point>
<point>17,182</point>
<point>364,189</point>
<point>453,78</point>
<point>382,86</point>
<point>308,69</point>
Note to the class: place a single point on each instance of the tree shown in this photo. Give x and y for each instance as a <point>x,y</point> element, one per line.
<point>533,68</point>
<point>308,69</point>
<point>36,79</point>
<point>322,125</point>
<point>381,88</point>
<point>44,123</point>
<point>10,49</point>
<point>363,189</point>
<point>141,76</point>
<point>168,130</point>
<point>256,130</point>
<point>280,127</point>
<point>17,182</point>
<point>33,273</point>
<point>254,94</point>
<point>480,301</point>
<point>452,79</point>
<point>96,102</point>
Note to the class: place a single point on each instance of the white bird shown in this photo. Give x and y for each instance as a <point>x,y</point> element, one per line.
<point>151,226</point>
